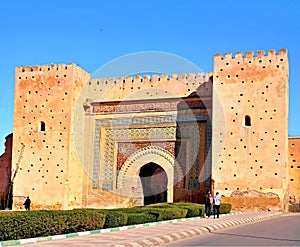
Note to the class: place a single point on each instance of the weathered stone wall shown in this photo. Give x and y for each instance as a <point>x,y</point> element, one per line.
<point>252,200</point>
<point>5,172</point>
<point>252,140</point>
<point>114,100</point>
<point>43,118</point>
<point>57,112</point>
<point>57,133</point>
<point>147,87</point>
<point>294,173</point>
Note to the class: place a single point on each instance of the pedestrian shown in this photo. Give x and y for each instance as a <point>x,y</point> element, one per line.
<point>217,201</point>
<point>27,203</point>
<point>208,199</point>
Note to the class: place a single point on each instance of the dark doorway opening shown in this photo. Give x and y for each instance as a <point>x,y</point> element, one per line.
<point>154,181</point>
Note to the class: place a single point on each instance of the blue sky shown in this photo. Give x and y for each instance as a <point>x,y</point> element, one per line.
<point>91,33</point>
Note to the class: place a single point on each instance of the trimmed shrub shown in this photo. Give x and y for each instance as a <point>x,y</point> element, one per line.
<point>225,208</point>
<point>168,213</point>
<point>202,208</point>
<point>19,225</point>
<point>140,218</point>
<point>11,224</point>
<point>114,218</point>
<point>31,224</point>
<point>193,209</point>
<point>161,205</point>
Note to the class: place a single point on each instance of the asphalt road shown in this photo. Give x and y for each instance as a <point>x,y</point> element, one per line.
<point>279,231</point>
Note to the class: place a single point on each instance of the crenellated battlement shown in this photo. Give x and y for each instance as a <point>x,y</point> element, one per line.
<point>53,68</point>
<point>250,55</point>
<point>249,66</point>
<point>43,68</point>
<point>77,130</point>
<point>155,78</point>
<point>191,77</point>
<point>147,86</point>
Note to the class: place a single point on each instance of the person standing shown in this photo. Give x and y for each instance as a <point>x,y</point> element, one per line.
<point>208,199</point>
<point>217,201</point>
<point>27,203</point>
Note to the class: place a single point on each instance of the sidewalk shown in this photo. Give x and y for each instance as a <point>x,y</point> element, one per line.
<point>151,234</point>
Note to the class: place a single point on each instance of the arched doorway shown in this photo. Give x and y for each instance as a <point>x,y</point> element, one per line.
<point>154,182</point>
<point>129,180</point>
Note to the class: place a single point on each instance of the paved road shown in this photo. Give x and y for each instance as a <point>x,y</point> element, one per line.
<point>279,231</point>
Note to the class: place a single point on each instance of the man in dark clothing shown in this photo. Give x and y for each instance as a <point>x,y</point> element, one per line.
<point>27,203</point>
<point>207,202</point>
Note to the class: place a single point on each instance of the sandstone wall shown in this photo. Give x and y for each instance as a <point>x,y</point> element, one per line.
<point>58,134</point>
<point>56,121</point>
<point>294,174</point>
<point>251,143</point>
<point>43,118</point>
<point>146,87</point>
<point>128,98</point>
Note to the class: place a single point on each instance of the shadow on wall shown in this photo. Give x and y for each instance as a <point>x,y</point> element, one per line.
<point>197,108</point>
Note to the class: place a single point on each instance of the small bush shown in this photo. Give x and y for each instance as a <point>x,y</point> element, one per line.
<point>168,213</point>
<point>114,218</point>
<point>225,208</point>
<point>161,205</point>
<point>193,209</point>
<point>140,218</point>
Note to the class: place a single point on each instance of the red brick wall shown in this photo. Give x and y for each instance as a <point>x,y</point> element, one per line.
<point>5,171</point>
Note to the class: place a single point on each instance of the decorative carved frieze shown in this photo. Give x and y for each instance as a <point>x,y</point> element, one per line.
<point>148,106</point>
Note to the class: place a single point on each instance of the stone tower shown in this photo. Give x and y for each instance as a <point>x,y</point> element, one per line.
<point>84,137</point>
<point>43,118</point>
<point>253,138</point>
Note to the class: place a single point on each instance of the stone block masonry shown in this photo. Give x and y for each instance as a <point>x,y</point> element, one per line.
<point>72,157</point>
<point>254,95</point>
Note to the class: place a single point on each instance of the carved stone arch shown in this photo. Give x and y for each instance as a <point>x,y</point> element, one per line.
<point>128,177</point>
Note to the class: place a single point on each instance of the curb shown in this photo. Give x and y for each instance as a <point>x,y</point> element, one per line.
<point>154,241</point>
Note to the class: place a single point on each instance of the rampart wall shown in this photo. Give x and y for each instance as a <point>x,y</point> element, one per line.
<point>250,122</point>
<point>146,87</point>
<point>43,118</point>
<point>294,173</point>
<point>251,144</point>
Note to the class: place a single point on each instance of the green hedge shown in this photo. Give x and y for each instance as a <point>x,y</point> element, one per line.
<point>168,213</point>
<point>161,211</point>
<point>31,224</point>
<point>193,209</point>
<point>140,218</point>
<point>161,205</point>
<point>225,208</point>
<point>114,218</point>
<point>19,225</point>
